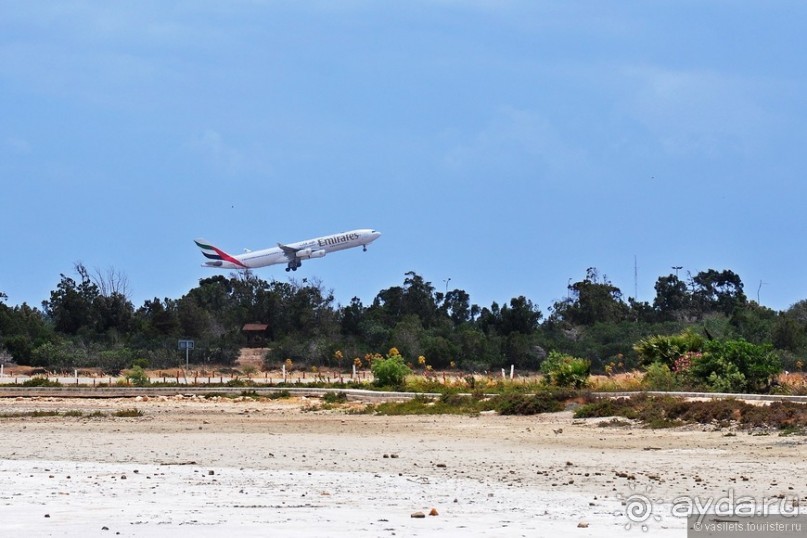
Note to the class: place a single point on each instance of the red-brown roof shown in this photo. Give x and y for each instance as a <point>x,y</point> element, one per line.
<point>255,327</point>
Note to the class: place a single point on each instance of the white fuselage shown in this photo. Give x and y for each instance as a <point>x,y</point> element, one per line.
<point>302,250</point>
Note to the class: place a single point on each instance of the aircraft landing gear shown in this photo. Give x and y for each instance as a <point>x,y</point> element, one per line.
<point>364,248</point>
<point>293,266</point>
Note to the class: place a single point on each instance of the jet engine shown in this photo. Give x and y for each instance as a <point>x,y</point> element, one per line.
<point>317,254</point>
<point>304,253</point>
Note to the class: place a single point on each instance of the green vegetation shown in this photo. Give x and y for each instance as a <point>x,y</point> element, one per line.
<point>422,405</point>
<point>334,397</point>
<point>38,381</point>
<point>524,404</point>
<point>32,414</point>
<point>658,376</point>
<point>688,360</point>
<point>662,412</point>
<point>128,413</point>
<point>702,329</point>
<point>390,372</point>
<point>75,413</point>
<point>137,376</point>
<point>566,371</point>
<point>667,349</point>
<point>507,403</point>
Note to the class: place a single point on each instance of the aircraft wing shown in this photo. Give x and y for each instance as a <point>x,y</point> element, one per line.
<point>290,252</point>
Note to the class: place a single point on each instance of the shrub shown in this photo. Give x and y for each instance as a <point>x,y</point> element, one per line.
<point>40,381</point>
<point>421,405</point>
<point>334,397</point>
<point>128,413</point>
<point>566,371</point>
<point>523,404</point>
<point>736,366</point>
<point>606,407</point>
<point>239,383</point>
<point>666,349</point>
<point>138,377</point>
<point>390,372</point>
<point>658,376</point>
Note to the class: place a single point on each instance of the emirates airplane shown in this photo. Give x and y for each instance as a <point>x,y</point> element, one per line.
<point>292,254</point>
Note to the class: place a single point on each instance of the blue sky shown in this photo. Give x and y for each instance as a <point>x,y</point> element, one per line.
<point>506,145</point>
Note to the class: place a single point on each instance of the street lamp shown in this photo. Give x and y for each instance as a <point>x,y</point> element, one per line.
<point>677,268</point>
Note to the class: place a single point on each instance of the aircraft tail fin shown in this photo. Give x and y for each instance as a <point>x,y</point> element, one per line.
<point>216,255</point>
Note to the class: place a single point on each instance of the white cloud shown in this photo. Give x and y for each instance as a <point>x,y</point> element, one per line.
<point>698,112</point>
<point>212,146</point>
<point>515,139</point>
<point>16,146</point>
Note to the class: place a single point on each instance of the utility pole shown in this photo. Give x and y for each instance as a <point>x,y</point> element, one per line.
<point>758,289</point>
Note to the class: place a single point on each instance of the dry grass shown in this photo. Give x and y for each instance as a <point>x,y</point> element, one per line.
<point>628,381</point>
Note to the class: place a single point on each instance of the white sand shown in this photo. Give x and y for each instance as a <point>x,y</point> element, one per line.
<point>59,498</point>
<point>213,468</point>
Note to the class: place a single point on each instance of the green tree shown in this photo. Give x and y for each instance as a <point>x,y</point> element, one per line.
<point>22,329</point>
<point>158,318</point>
<point>521,316</point>
<point>351,317</point>
<point>71,305</point>
<point>592,300</point>
<point>790,329</point>
<point>673,299</point>
<point>715,291</point>
<point>457,306</point>
<point>754,322</point>
<point>419,299</point>
<point>112,312</point>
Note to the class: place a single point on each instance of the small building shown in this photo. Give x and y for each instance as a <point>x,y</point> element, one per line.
<point>256,334</point>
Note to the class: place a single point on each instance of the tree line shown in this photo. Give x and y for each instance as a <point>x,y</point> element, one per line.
<point>89,321</point>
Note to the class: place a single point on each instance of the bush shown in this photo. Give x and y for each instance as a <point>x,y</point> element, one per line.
<point>523,404</point>
<point>650,410</point>
<point>128,413</point>
<point>658,376</point>
<point>566,371</point>
<point>138,377</point>
<point>736,366</point>
<point>334,397</point>
<point>606,407</point>
<point>39,381</point>
<point>666,349</point>
<point>390,372</point>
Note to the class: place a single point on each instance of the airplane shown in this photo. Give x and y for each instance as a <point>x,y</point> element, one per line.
<point>292,254</point>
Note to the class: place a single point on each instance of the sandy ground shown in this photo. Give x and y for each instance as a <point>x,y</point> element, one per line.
<point>196,467</point>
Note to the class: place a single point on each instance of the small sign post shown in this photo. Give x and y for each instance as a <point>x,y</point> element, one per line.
<point>187,345</point>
